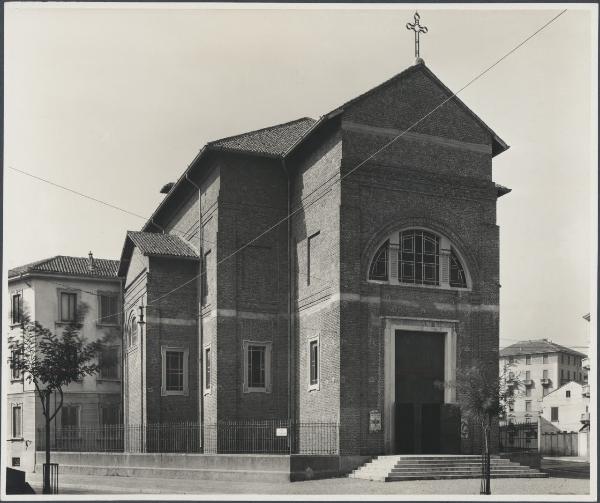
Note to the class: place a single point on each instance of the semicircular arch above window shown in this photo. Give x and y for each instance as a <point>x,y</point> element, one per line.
<point>418,257</point>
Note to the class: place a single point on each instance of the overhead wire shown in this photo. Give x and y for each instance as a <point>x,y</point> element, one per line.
<point>337,178</point>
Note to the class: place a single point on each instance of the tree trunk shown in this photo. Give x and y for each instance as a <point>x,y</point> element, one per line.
<point>46,471</point>
<point>487,471</point>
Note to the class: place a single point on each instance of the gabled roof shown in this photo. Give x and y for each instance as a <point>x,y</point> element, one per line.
<point>69,266</point>
<point>270,141</point>
<point>155,245</point>
<point>281,140</point>
<point>498,145</point>
<point>561,387</point>
<point>538,346</point>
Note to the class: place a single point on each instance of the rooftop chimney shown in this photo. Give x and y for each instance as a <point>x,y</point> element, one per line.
<point>90,261</point>
<point>166,188</point>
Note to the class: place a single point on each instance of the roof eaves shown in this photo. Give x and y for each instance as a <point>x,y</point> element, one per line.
<point>502,146</point>
<point>501,190</point>
<point>233,150</point>
<point>318,123</point>
<point>254,131</point>
<point>196,159</point>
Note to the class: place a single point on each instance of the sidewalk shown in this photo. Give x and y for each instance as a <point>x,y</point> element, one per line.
<point>343,486</point>
<point>574,459</point>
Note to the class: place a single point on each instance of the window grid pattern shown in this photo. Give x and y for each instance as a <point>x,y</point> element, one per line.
<point>109,309</point>
<point>174,371</point>
<point>458,278</point>
<point>256,366</point>
<point>418,258</point>
<point>379,266</point>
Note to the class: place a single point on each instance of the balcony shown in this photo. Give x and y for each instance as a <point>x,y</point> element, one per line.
<point>545,381</point>
<point>528,382</point>
<point>585,363</point>
<point>586,390</point>
<point>585,418</point>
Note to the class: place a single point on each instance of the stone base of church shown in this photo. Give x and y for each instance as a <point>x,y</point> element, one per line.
<point>225,467</point>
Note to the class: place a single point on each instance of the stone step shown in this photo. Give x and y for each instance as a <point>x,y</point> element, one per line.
<point>462,466</point>
<point>418,469</point>
<point>388,468</point>
<point>518,475</point>
<point>498,462</point>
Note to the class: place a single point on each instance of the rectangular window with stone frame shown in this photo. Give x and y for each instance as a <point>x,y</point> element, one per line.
<point>17,420</point>
<point>257,366</point>
<point>108,309</point>
<point>17,308</point>
<point>314,362</point>
<point>174,370</point>
<point>68,306</point>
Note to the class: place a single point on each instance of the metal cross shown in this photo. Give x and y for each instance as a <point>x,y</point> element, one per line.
<point>417,28</point>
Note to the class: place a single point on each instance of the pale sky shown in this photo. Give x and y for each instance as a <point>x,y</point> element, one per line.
<point>115,102</point>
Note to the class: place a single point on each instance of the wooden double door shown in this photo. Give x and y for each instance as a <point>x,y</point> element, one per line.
<point>423,423</point>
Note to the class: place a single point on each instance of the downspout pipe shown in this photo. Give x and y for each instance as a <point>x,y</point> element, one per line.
<point>291,394</point>
<point>200,328</point>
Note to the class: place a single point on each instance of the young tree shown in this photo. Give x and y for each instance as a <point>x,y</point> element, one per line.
<point>483,396</point>
<point>510,387</point>
<point>51,362</point>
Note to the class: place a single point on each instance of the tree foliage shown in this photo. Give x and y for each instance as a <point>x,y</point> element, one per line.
<point>51,361</point>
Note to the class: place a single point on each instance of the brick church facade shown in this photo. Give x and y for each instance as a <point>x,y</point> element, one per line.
<point>381,286</point>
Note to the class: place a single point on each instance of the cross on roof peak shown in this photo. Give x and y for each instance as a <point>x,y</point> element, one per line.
<point>418,29</point>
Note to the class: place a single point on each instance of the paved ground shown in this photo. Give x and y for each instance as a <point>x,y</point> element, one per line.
<point>567,467</point>
<point>342,486</point>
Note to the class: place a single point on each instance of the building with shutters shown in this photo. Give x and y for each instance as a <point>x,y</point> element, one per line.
<point>50,292</point>
<point>359,309</point>
<point>542,366</point>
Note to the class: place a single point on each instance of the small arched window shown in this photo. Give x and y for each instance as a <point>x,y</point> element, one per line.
<point>131,330</point>
<point>379,265</point>
<point>134,331</point>
<point>418,257</point>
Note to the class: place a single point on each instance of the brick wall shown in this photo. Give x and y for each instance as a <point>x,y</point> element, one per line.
<point>444,187</point>
<point>171,321</point>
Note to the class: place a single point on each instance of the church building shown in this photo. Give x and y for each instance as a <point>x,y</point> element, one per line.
<point>359,309</point>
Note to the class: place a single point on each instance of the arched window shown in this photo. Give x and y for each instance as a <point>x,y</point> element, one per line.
<point>418,257</point>
<point>379,265</point>
<point>134,331</point>
<point>131,330</point>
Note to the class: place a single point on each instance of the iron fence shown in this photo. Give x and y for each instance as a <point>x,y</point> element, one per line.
<point>107,438</point>
<point>518,437</point>
<point>226,437</point>
<point>271,437</point>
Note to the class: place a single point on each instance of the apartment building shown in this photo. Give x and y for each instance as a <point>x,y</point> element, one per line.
<point>51,291</point>
<point>542,366</point>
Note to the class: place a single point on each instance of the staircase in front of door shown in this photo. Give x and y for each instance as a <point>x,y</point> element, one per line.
<point>436,467</point>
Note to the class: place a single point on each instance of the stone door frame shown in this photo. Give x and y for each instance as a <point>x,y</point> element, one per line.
<point>393,323</point>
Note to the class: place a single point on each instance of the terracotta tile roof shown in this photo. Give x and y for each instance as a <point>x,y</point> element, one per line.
<point>72,266</point>
<point>273,140</point>
<point>537,347</point>
<point>150,243</point>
